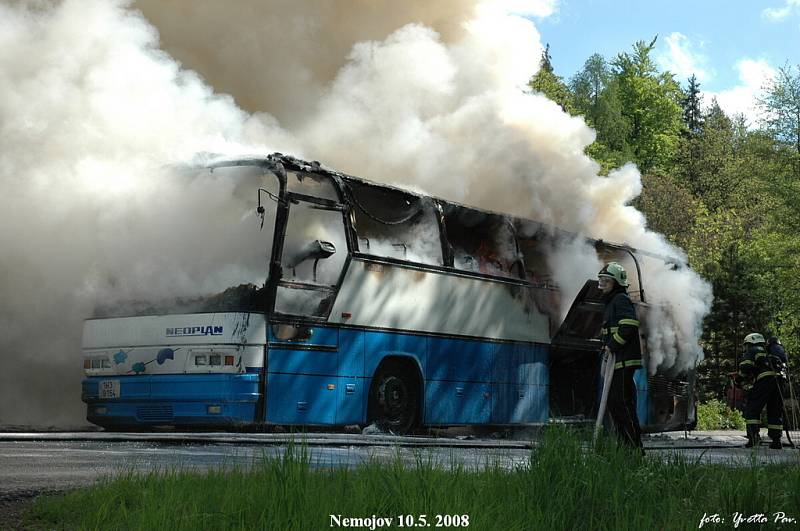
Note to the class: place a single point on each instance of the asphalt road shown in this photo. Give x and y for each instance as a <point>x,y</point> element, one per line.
<point>36,462</point>
<point>30,466</point>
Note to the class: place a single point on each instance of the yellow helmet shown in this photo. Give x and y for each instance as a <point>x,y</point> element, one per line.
<point>615,271</point>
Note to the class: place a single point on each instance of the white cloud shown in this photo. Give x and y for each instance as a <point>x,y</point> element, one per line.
<point>777,14</point>
<point>683,58</point>
<point>742,99</point>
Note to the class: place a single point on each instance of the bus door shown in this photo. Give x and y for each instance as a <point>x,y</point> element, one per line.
<point>575,357</point>
<point>303,354</point>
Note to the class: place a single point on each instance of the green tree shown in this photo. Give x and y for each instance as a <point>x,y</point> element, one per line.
<point>548,83</point>
<point>689,152</point>
<point>651,105</point>
<point>706,159</point>
<point>724,191</point>
<point>662,196</point>
<point>596,96</point>
<point>691,102</point>
<point>588,86</point>
<point>780,106</point>
<point>722,251</point>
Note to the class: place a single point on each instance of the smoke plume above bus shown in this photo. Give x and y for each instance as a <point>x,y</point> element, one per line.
<point>101,100</point>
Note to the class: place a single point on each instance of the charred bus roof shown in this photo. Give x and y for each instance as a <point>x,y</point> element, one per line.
<point>281,162</point>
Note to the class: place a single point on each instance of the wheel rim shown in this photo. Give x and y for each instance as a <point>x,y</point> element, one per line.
<point>396,402</point>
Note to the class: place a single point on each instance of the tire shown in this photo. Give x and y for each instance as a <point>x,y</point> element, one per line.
<point>394,399</point>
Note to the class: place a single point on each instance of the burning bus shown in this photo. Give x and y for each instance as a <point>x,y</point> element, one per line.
<point>362,303</point>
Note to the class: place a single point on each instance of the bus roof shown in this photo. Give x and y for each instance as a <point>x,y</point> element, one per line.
<point>294,163</point>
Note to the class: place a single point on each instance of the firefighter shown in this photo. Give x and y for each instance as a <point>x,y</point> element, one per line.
<point>621,336</point>
<point>760,365</point>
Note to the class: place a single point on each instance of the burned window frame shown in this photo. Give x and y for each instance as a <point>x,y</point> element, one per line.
<point>528,230</point>
<point>277,279</point>
<point>364,220</point>
<point>452,211</point>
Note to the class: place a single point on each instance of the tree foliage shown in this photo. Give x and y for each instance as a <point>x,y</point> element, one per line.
<point>548,83</point>
<point>651,105</point>
<point>691,102</point>
<point>781,106</point>
<point>726,191</point>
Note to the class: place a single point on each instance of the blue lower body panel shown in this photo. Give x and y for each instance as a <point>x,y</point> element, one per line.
<point>520,404</point>
<point>458,403</point>
<point>325,400</point>
<point>174,399</point>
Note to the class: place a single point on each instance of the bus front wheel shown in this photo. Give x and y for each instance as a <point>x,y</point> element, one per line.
<point>394,398</point>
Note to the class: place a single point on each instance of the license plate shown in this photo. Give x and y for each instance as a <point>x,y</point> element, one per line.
<point>109,388</point>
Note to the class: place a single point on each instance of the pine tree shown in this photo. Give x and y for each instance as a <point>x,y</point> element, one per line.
<point>551,85</point>
<point>546,62</point>
<point>692,112</point>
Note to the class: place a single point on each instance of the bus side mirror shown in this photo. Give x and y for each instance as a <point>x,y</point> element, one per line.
<point>316,250</point>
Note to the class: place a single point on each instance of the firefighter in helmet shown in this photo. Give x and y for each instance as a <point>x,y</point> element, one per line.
<point>621,336</point>
<point>760,365</point>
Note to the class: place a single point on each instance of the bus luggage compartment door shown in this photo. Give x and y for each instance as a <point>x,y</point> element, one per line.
<point>459,389</point>
<point>302,374</point>
<point>519,384</point>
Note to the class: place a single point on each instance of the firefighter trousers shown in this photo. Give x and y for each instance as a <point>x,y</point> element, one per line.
<point>764,392</point>
<point>622,407</point>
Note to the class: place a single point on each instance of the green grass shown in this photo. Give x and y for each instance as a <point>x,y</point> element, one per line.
<point>563,486</point>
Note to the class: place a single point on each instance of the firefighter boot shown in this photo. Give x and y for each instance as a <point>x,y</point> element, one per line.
<point>774,433</point>
<point>753,438</point>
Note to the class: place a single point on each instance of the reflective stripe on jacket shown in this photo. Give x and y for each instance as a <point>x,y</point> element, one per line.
<point>620,331</point>
<point>758,363</point>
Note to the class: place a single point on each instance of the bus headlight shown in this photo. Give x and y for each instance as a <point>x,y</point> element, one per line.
<point>214,410</point>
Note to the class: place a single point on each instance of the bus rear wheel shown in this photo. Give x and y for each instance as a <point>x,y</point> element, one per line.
<point>394,399</point>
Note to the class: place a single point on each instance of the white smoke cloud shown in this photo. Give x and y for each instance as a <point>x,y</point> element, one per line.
<point>463,129</point>
<point>573,263</point>
<point>93,114</point>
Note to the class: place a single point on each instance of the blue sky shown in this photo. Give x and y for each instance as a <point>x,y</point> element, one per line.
<point>733,47</point>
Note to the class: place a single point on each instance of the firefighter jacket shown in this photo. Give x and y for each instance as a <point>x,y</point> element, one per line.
<point>620,332</point>
<point>759,363</point>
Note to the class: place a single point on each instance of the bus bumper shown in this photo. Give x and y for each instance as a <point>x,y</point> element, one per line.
<point>221,400</point>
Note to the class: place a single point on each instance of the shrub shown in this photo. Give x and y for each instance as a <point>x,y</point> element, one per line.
<point>716,415</point>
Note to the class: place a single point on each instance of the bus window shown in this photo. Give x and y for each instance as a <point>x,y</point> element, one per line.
<point>535,246</point>
<point>303,301</point>
<point>308,227</point>
<point>482,242</point>
<point>229,199</point>
<point>395,224</point>
<point>314,254</point>
<point>312,184</point>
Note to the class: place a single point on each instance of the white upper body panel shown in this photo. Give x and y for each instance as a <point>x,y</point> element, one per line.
<point>225,328</point>
<point>397,297</point>
<point>174,344</point>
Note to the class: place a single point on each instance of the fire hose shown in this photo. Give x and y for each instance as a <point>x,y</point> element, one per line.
<point>783,374</point>
<point>607,374</point>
